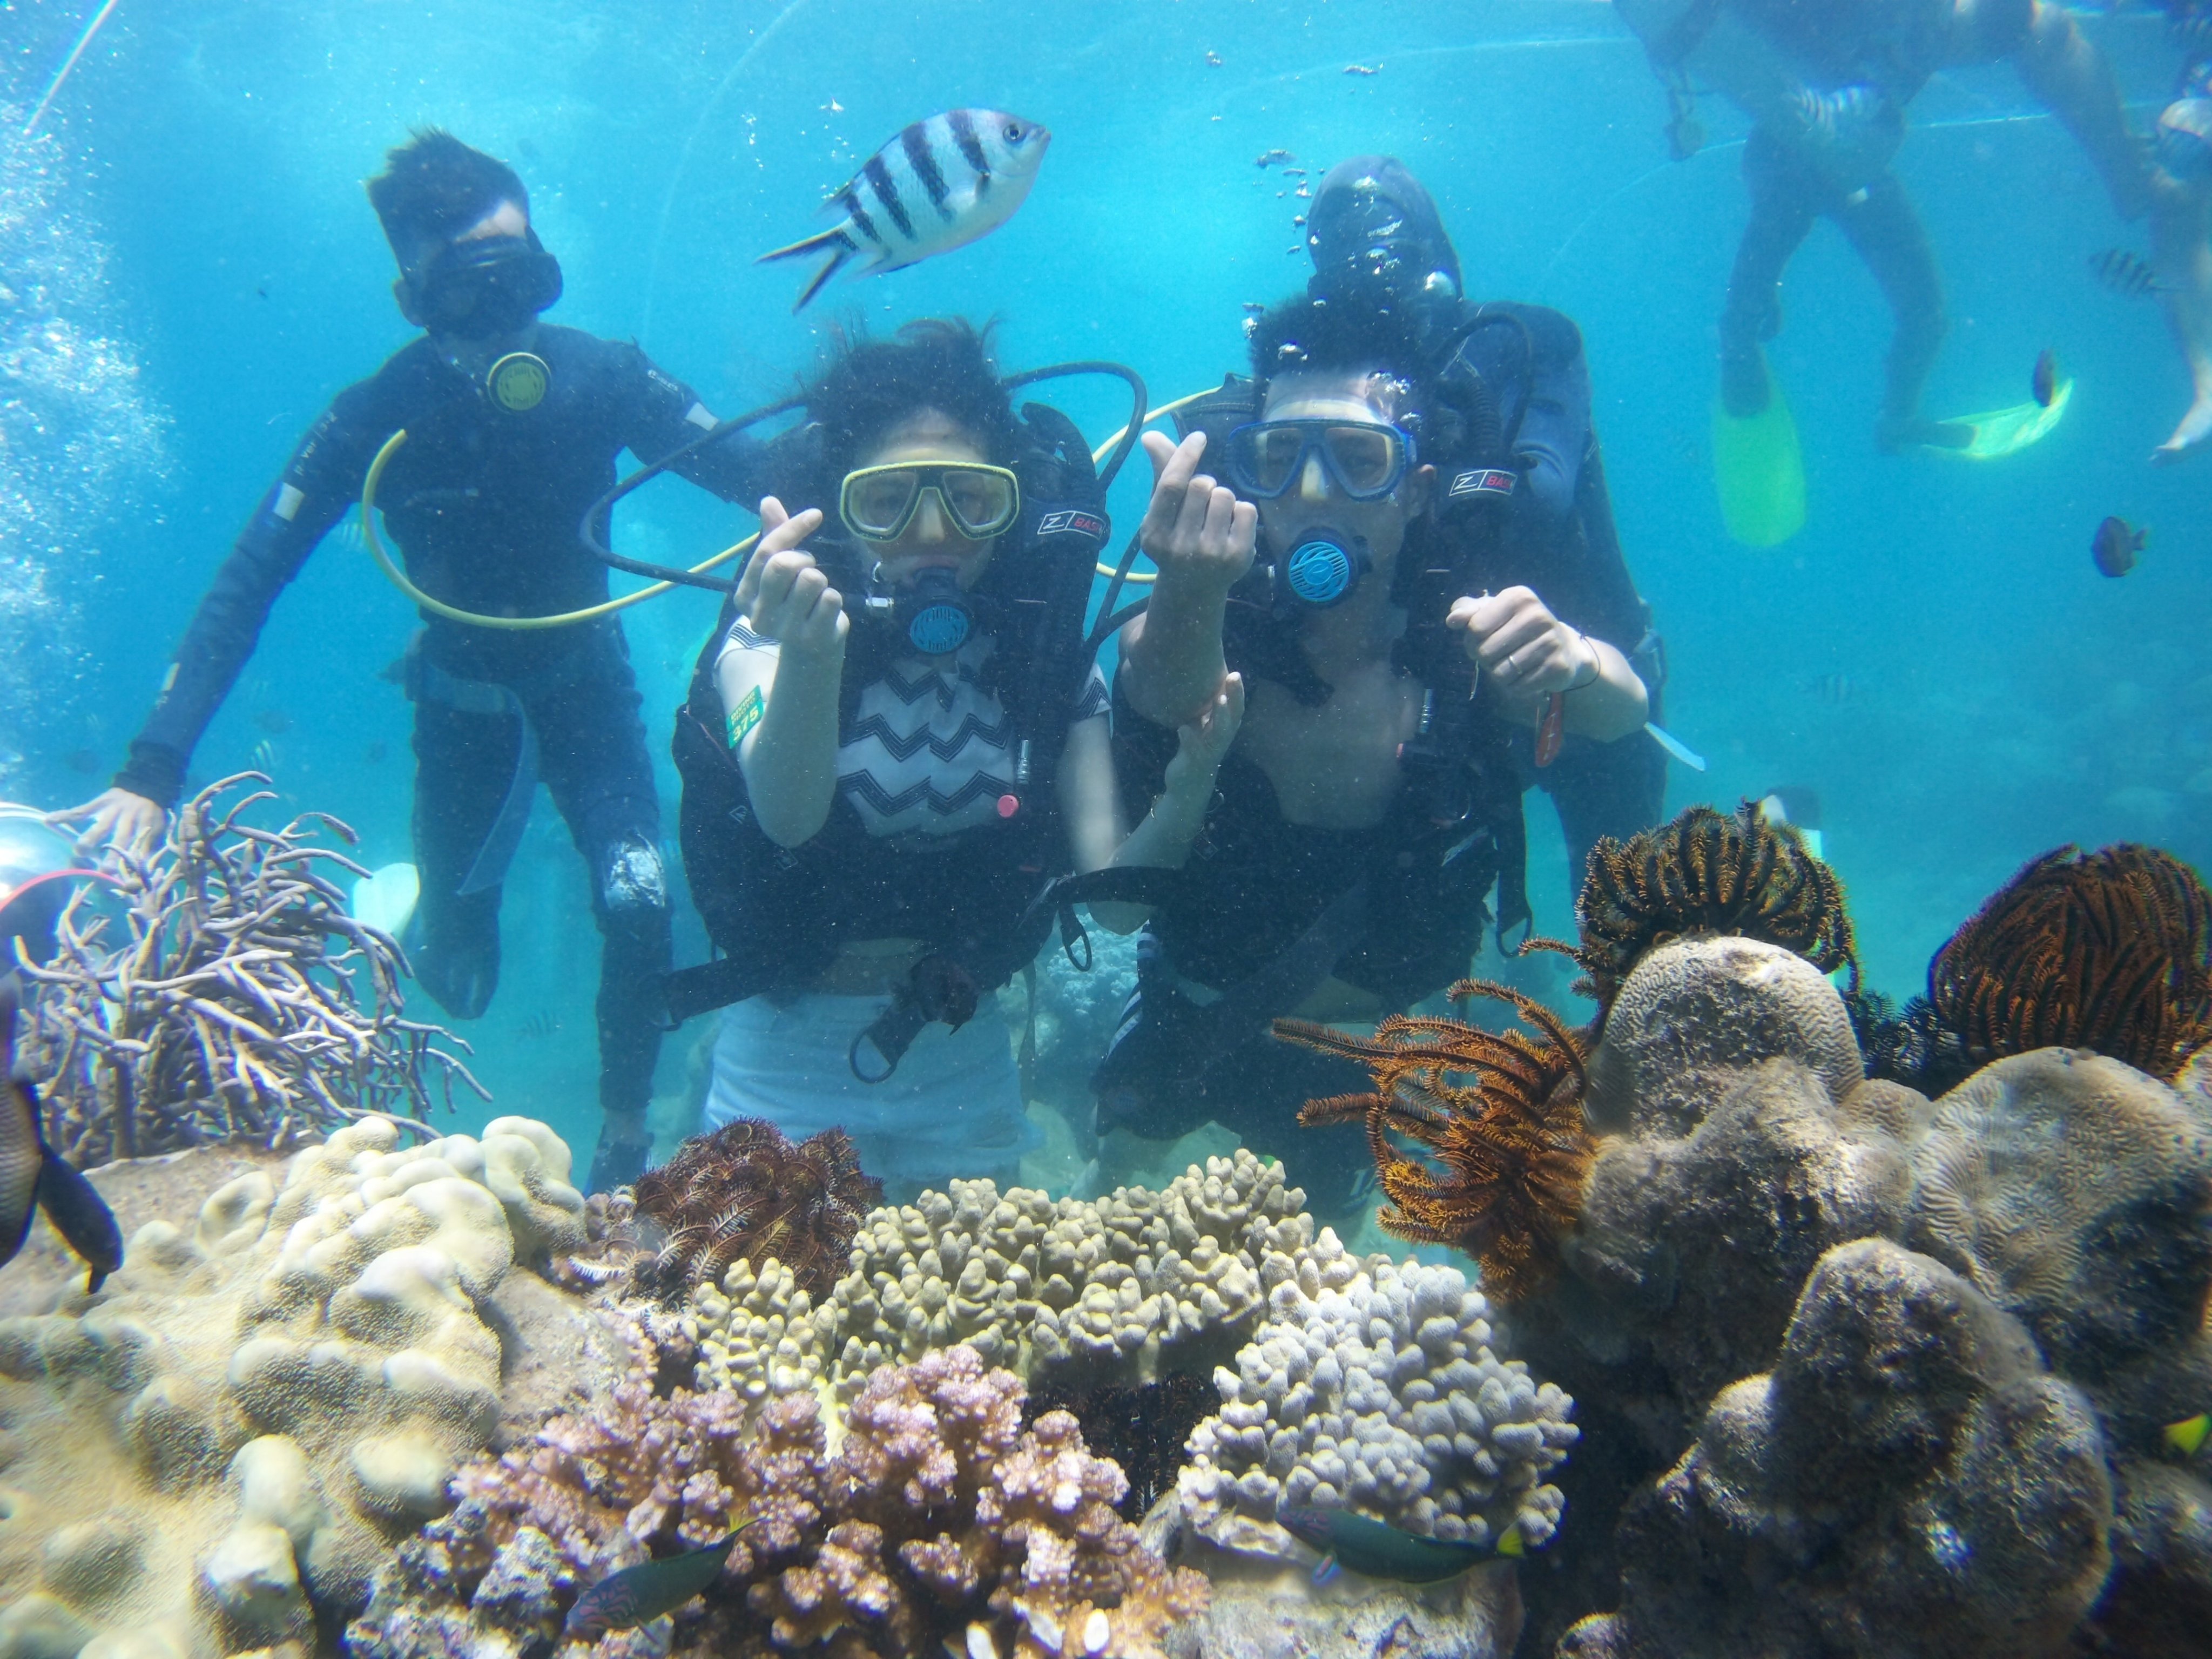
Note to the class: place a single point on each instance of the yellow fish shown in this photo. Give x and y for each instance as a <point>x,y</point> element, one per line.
<point>2186,1435</point>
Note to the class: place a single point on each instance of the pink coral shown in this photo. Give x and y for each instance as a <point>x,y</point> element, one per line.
<point>938,1511</point>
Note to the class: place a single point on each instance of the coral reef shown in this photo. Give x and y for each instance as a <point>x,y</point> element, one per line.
<point>1865,1373</point>
<point>241,1001</point>
<point>1142,1426</point>
<point>938,1518</point>
<point>1119,1289</point>
<point>2110,950</point>
<point>1512,1145</point>
<point>220,1446</point>
<point>1373,1387</point>
<point>745,1192</point>
<point>1705,873</point>
<point>1907,1481</point>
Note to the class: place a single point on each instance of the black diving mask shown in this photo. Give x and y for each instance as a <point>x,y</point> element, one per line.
<point>485,287</point>
<point>1320,569</point>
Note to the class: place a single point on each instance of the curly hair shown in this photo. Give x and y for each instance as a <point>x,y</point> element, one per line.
<point>1309,332</point>
<point>871,386</point>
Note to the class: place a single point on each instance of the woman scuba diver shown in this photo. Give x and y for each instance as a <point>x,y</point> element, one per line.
<point>894,739</point>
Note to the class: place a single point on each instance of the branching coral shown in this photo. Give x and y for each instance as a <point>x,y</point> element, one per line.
<point>1705,873</point>
<point>237,999</point>
<point>1512,1144</point>
<point>745,1193</point>
<point>938,1517</point>
<point>2110,950</point>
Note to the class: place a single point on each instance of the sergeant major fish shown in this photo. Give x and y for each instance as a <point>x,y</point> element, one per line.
<point>32,1176</point>
<point>939,185</point>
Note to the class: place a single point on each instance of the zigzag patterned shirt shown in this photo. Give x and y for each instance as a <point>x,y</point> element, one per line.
<point>928,750</point>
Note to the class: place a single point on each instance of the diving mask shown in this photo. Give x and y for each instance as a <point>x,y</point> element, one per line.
<point>1365,459</point>
<point>879,503</point>
<point>485,286</point>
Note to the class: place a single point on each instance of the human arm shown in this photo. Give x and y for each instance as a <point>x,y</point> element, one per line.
<point>662,414</point>
<point>318,485</point>
<point>779,678</point>
<point>1091,804</point>
<point>1201,539</point>
<point>1528,653</point>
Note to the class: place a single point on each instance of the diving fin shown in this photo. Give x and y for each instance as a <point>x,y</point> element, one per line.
<point>386,901</point>
<point>2002,432</point>
<point>1760,471</point>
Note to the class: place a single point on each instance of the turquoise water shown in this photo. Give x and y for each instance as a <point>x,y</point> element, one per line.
<point>192,271</point>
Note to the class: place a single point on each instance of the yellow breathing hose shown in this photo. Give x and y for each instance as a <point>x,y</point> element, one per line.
<point>398,577</point>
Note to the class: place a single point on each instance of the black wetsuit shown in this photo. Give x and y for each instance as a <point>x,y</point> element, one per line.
<point>1268,909</point>
<point>485,503</point>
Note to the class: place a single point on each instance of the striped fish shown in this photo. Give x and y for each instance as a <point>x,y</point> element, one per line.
<point>939,185</point>
<point>2124,274</point>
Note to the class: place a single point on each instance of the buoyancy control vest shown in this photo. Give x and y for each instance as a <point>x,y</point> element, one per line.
<point>780,915</point>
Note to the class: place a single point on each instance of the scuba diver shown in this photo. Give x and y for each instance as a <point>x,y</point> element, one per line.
<point>2183,240</point>
<point>894,735</point>
<point>513,427</point>
<point>1412,640</point>
<point>1827,87</point>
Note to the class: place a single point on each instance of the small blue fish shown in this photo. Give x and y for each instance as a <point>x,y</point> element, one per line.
<point>2044,382</point>
<point>31,1175</point>
<point>939,185</point>
<point>638,1595</point>
<point>1374,1550</point>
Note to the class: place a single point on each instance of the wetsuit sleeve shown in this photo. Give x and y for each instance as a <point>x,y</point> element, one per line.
<point>1555,429</point>
<point>660,415</point>
<point>322,480</point>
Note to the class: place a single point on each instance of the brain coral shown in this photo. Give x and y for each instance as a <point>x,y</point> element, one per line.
<point>1373,1387</point>
<point>225,1440</point>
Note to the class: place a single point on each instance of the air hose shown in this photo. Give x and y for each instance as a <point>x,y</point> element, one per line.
<point>398,577</point>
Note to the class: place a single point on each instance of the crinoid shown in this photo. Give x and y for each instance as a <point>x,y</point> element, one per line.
<point>1500,1114</point>
<point>2110,950</point>
<point>746,1193</point>
<point>1706,874</point>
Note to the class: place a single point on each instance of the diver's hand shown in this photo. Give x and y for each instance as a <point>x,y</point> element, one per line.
<point>784,595</point>
<point>116,818</point>
<point>1194,528</point>
<point>1203,743</point>
<point>1523,646</point>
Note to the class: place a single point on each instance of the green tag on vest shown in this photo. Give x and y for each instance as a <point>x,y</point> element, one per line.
<point>745,716</point>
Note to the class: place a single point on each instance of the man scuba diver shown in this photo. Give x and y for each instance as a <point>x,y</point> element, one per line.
<point>1435,615</point>
<point>1827,87</point>
<point>513,426</point>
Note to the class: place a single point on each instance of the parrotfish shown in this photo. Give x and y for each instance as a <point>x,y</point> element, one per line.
<point>638,1595</point>
<point>939,185</point>
<point>1377,1551</point>
<point>32,1174</point>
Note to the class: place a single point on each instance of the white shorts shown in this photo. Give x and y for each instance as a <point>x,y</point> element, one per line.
<point>953,1107</point>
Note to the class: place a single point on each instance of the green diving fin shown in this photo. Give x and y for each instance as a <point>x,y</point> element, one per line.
<point>1760,471</point>
<point>2002,432</point>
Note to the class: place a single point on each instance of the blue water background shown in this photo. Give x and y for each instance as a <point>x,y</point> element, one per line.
<point>1935,654</point>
